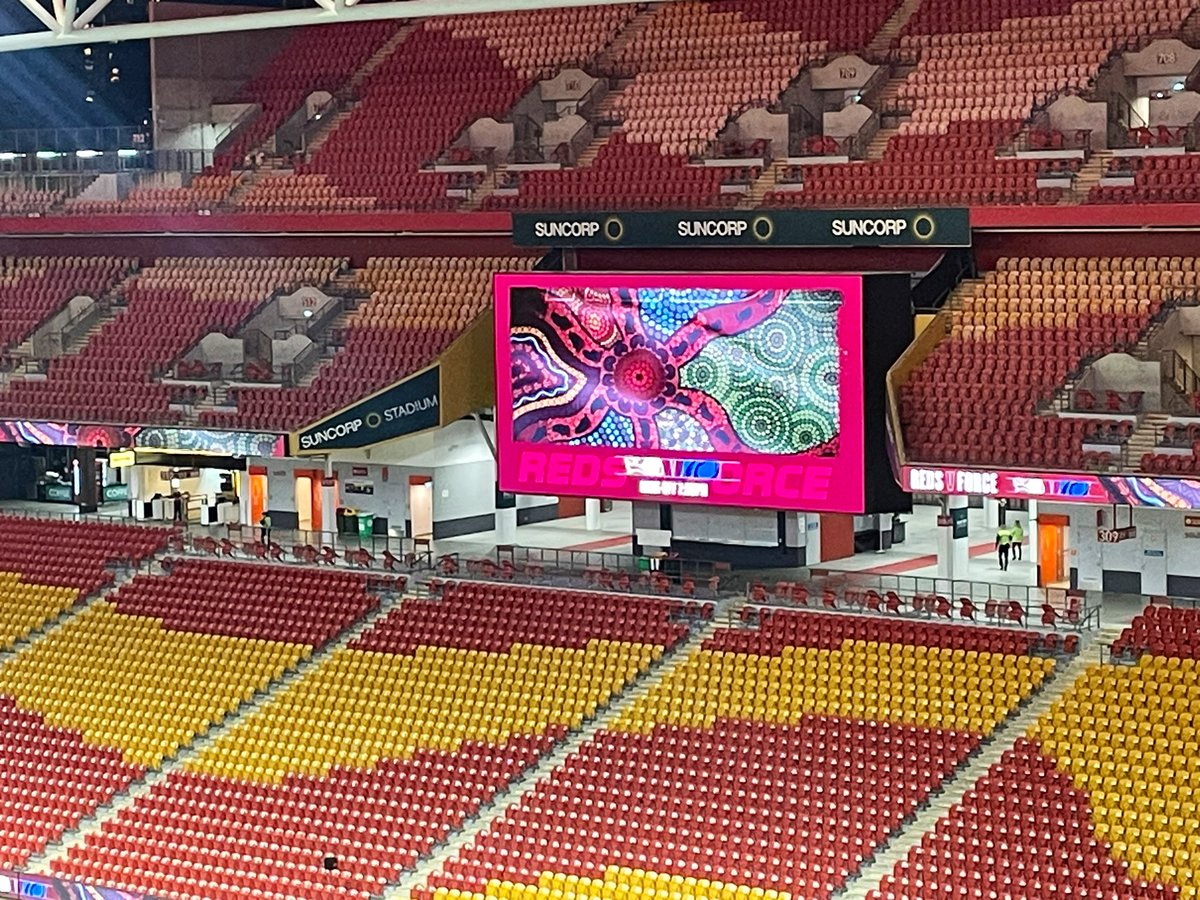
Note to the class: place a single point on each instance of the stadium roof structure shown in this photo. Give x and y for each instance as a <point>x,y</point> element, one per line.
<point>65,22</point>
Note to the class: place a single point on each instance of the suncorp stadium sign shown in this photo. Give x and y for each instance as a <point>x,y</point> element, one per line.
<point>405,408</point>
<point>734,228</point>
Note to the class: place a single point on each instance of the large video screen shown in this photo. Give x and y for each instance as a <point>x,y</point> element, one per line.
<point>741,390</point>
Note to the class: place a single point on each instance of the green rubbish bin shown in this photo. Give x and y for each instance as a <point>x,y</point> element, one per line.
<point>366,524</point>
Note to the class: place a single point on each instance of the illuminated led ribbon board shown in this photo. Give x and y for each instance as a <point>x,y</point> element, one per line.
<point>1066,487</point>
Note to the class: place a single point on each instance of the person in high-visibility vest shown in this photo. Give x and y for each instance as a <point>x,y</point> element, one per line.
<point>1018,535</point>
<point>1003,544</point>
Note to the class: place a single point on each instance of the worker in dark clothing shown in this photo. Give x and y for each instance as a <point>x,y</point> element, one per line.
<point>1003,545</point>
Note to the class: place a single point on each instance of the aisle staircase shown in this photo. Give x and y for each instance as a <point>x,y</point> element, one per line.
<point>512,795</point>
<point>890,31</point>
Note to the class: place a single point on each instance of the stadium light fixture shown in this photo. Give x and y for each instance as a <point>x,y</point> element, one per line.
<point>127,153</point>
<point>1177,86</point>
<point>87,154</point>
<point>47,154</point>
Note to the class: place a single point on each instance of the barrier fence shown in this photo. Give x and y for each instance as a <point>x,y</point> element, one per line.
<point>952,599</point>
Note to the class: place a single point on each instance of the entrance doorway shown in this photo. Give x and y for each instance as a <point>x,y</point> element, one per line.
<point>420,506</point>
<point>309,513</point>
<point>1053,568</point>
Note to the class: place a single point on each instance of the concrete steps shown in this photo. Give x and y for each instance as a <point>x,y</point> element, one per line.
<point>605,61</point>
<point>891,29</point>
<point>879,143</point>
<point>1086,178</point>
<point>763,185</point>
<point>1144,438</point>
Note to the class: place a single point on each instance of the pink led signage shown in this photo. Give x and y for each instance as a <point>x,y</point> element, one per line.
<point>741,390</point>
<point>1126,490</point>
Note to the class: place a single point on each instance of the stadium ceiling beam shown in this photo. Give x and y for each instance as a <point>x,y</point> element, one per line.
<point>63,27</point>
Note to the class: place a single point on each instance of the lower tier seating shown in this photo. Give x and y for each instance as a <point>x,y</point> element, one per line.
<point>1097,801</point>
<point>47,567</point>
<point>385,749</point>
<point>770,770</point>
<point>133,678</point>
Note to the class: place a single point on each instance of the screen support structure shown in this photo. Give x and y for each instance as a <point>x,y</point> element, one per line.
<point>63,24</point>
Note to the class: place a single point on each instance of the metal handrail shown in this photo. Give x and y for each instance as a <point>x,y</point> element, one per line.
<point>1072,610</point>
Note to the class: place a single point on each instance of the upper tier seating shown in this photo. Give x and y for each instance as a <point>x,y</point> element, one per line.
<point>957,167</point>
<point>475,67</point>
<point>316,59</point>
<point>947,17</point>
<point>384,750</point>
<point>34,288</point>
<point>624,175</point>
<point>1017,338</point>
<point>749,771</point>
<point>406,324</point>
<point>977,80</point>
<point>1002,74</point>
<point>169,307</point>
<point>47,567</point>
<point>135,677</point>
<point>1097,801</point>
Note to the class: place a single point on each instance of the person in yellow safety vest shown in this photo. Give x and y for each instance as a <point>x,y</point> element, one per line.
<point>1003,544</point>
<point>1018,535</point>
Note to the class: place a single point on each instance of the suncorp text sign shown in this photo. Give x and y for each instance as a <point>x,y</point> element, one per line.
<point>734,228</point>
<point>405,408</point>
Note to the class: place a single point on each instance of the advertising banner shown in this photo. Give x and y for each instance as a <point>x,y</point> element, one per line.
<point>405,408</point>
<point>748,228</point>
<point>741,390</point>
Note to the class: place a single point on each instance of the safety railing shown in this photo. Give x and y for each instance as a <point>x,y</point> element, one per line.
<point>965,601</point>
<point>101,162</point>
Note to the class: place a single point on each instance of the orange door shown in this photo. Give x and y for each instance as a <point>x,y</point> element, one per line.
<point>1050,554</point>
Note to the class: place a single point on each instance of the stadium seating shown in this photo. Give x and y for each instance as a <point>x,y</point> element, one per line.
<point>315,59</point>
<point>136,676</point>
<point>1018,337</point>
<point>205,192</point>
<point>168,308</point>
<point>385,749</point>
<point>403,328</point>
<point>768,770</point>
<point>19,201</point>
<point>1095,801</point>
<point>46,566</point>
<point>34,288</point>
<point>1157,179</point>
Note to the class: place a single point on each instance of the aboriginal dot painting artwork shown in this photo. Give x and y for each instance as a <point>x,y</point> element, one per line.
<point>734,371</point>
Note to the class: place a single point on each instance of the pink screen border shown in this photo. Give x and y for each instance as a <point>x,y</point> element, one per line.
<point>845,490</point>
